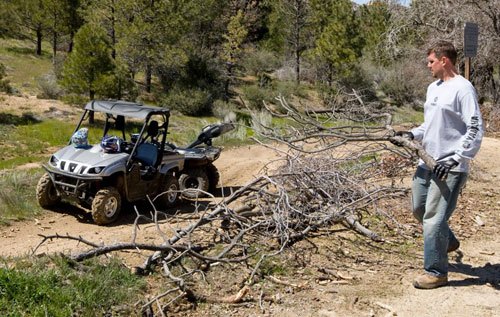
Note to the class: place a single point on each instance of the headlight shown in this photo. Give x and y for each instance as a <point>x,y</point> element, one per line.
<point>96,170</point>
<point>53,160</point>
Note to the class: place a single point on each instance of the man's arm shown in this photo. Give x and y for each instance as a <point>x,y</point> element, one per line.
<point>471,141</point>
<point>418,132</point>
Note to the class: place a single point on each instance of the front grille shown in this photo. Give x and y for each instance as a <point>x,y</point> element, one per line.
<point>65,180</point>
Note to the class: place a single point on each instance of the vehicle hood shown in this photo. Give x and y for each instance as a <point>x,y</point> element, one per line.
<point>82,160</point>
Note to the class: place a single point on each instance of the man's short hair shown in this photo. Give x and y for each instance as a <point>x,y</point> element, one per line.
<point>443,48</point>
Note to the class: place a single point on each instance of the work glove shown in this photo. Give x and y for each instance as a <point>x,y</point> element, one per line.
<point>441,169</point>
<point>405,134</point>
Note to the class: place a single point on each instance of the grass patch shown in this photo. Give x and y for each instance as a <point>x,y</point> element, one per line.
<point>17,198</point>
<point>23,65</point>
<point>25,141</point>
<point>55,287</point>
<point>31,142</point>
<point>274,266</point>
<point>183,130</point>
<point>407,115</point>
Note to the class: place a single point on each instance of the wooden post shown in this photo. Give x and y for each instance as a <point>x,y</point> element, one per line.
<point>467,68</point>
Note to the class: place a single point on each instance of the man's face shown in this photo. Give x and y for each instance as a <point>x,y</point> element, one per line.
<point>435,65</point>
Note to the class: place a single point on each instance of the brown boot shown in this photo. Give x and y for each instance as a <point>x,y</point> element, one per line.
<point>427,281</point>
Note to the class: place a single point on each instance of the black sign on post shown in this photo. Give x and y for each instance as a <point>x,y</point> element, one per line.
<point>471,34</point>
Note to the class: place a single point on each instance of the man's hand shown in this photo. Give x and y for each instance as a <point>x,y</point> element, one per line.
<point>441,169</point>
<point>404,134</point>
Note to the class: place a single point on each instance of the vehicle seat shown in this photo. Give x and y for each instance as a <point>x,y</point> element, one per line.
<point>152,131</point>
<point>147,153</point>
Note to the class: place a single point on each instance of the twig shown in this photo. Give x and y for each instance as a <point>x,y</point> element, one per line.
<point>148,304</point>
<point>392,312</point>
<point>236,298</point>
<point>278,281</point>
<point>67,236</point>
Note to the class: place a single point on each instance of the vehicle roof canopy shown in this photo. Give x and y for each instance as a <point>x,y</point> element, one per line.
<point>125,108</point>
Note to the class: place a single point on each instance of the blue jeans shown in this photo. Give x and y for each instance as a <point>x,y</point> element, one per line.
<point>433,203</point>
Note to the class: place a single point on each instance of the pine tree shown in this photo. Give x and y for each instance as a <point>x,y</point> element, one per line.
<point>24,19</point>
<point>375,19</point>
<point>89,63</point>
<point>232,47</point>
<point>338,42</point>
<point>290,33</point>
<point>56,16</point>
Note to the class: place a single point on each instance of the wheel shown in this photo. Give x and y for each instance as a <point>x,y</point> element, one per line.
<point>46,192</point>
<point>195,178</point>
<point>213,177</point>
<point>170,194</point>
<point>106,206</point>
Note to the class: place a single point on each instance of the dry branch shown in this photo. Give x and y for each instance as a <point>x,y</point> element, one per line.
<point>67,236</point>
<point>281,282</point>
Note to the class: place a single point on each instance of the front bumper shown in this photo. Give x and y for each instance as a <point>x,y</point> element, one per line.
<point>69,184</point>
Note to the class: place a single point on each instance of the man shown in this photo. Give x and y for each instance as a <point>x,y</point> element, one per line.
<point>451,133</point>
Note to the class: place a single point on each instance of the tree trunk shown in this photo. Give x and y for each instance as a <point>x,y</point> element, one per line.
<point>113,33</point>
<point>297,44</point>
<point>329,74</point>
<point>70,46</point>
<point>297,66</point>
<point>227,84</point>
<point>39,40</point>
<point>54,47</point>
<point>147,80</point>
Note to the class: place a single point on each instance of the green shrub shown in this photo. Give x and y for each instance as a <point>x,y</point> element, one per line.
<point>224,110</point>
<point>261,61</point>
<point>405,83</point>
<point>117,84</point>
<point>261,120</point>
<point>289,88</point>
<point>49,89</point>
<point>256,95</point>
<point>4,83</point>
<point>190,102</point>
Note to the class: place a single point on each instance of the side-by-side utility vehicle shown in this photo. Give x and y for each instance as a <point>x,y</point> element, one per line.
<point>117,154</point>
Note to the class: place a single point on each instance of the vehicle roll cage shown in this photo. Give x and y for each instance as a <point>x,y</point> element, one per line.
<point>118,110</point>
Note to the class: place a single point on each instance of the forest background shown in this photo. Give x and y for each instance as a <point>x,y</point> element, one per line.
<point>209,57</point>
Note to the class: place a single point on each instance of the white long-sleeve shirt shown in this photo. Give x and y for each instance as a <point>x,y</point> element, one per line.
<point>453,127</point>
